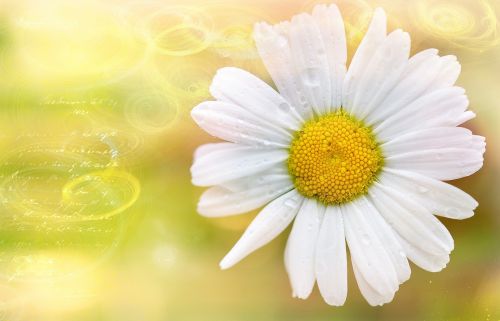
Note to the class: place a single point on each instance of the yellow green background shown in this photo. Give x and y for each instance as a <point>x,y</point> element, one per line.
<point>97,213</point>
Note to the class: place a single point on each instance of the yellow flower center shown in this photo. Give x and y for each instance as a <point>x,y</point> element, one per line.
<point>334,158</point>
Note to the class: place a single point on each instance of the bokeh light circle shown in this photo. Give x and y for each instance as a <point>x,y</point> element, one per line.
<point>471,25</point>
<point>151,111</point>
<point>178,30</point>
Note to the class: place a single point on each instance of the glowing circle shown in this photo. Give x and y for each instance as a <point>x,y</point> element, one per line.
<point>469,25</point>
<point>151,111</point>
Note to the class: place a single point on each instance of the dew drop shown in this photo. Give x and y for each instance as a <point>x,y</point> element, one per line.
<point>366,239</point>
<point>310,77</point>
<point>284,107</point>
<point>284,216</point>
<point>291,203</point>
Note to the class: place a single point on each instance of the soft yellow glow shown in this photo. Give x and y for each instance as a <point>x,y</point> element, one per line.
<point>118,189</point>
<point>468,24</point>
<point>97,213</point>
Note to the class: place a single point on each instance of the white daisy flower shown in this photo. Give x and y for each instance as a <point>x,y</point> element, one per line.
<point>354,157</point>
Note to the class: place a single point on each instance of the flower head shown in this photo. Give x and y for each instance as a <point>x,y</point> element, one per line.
<point>353,156</point>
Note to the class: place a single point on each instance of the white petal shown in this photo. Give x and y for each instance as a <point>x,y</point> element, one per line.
<point>301,248</point>
<point>373,297</point>
<point>206,149</point>
<point>478,143</point>
<point>245,194</point>
<point>462,118</point>
<point>236,124</point>
<point>433,138</point>
<point>227,161</point>
<point>420,57</point>
<point>424,259</point>
<point>417,76</point>
<point>373,38</point>
<point>443,164</point>
<point>411,221</point>
<point>387,237</point>
<point>440,108</point>
<point>311,62</point>
<point>274,49</point>
<point>268,224</point>
<point>331,26</point>
<point>372,265</point>
<point>331,258</point>
<point>425,73</point>
<point>448,73</point>
<point>382,73</point>
<point>438,197</point>
<point>240,87</point>
<point>306,58</point>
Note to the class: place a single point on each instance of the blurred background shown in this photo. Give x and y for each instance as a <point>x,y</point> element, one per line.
<point>97,213</point>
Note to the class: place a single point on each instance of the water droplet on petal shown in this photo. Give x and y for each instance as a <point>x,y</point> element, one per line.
<point>310,78</point>
<point>291,203</point>
<point>366,239</point>
<point>284,107</point>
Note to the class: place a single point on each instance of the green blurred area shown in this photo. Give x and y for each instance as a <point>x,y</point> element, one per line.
<point>98,215</point>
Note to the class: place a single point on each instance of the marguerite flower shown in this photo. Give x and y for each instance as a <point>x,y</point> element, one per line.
<point>354,157</point>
